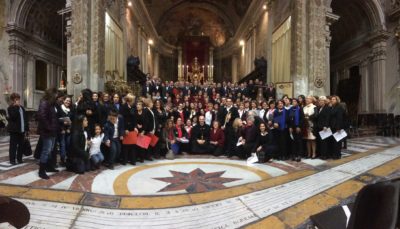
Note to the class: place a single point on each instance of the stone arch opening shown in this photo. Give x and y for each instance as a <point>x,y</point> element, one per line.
<point>36,34</point>
<point>358,37</point>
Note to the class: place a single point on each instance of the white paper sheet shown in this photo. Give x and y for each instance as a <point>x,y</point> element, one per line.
<point>183,140</point>
<point>252,159</point>
<point>239,143</point>
<point>325,133</point>
<point>339,135</point>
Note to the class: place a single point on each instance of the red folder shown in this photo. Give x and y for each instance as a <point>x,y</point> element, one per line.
<point>154,140</point>
<point>131,138</point>
<point>143,141</point>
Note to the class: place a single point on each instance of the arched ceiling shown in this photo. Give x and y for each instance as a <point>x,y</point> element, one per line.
<point>217,19</point>
<point>353,25</point>
<point>44,22</point>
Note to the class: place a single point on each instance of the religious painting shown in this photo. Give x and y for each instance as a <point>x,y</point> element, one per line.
<point>192,21</point>
<point>285,88</point>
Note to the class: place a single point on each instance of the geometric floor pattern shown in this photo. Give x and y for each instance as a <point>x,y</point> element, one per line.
<point>199,191</point>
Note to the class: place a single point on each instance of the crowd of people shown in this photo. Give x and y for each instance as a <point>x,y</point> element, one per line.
<point>219,119</point>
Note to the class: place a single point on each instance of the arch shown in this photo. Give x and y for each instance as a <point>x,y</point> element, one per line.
<point>374,11</point>
<point>19,12</point>
<point>206,5</point>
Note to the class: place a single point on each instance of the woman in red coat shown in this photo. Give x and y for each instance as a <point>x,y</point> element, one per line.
<point>217,139</point>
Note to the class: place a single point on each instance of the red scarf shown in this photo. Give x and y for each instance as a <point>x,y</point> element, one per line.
<point>178,128</point>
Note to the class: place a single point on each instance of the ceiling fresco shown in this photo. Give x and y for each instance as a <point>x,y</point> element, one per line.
<point>216,19</point>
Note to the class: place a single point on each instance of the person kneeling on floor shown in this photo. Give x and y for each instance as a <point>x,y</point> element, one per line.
<point>78,156</point>
<point>96,156</point>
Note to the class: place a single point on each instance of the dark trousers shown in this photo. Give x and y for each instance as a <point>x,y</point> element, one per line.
<point>129,153</point>
<point>323,147</point>
<point>15,150</point>
<point>216,150</point>
<point>297,144</point>
<point>337,149</point>
<point>283,136</point>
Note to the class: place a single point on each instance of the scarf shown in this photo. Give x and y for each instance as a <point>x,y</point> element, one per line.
<point>65,109</point>
<point>178,128</point>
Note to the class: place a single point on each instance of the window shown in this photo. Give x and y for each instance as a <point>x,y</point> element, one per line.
<point>114,53</point>
<point>40,75</point>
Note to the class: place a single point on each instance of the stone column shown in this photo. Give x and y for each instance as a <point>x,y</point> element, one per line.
<point>365,81</point>
<point>17,52</point>
<point>180,64</point>
<point>317,48</point>
<point>69,69</point>
<point>211,60</point>
<point>379,76</point>
<point>330,19</point>
<point>156,64</point>
<point>234,68</point>
<point>299,70</point>
<point>80,49</point>
<point>97,33</point>
<point>30,77</point>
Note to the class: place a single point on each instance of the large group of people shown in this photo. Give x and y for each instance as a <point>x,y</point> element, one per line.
<point>186,118</point>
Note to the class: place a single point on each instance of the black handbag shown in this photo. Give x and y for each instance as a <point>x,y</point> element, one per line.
<point>26,147</point>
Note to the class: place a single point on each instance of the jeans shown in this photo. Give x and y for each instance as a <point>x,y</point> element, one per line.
<point>47,148</point>
<point>64,140</point>
<point>115,150</point>
<point>97,158</point>
<point>15,150</point>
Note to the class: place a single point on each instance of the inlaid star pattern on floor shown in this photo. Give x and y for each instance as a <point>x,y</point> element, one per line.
<point>195,181</point>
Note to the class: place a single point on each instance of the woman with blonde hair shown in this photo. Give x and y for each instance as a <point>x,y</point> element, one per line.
<point>232,136</point>
<point>127,111</point>
<point>310,114</point>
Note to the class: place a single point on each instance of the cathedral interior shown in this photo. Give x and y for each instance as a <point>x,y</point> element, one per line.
<point>349,48</point>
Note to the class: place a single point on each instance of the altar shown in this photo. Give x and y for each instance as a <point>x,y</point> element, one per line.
<point>195,60</point>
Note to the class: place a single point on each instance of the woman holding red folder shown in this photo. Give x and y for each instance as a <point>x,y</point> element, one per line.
<point>128,112</point>
<point>138,123</point>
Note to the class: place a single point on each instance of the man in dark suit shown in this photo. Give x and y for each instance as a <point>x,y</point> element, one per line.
<point>200,137</point>
<point>224,91</point>
<point>195,89</point>
<point>270,92</point>
<point>185,89</point>
<point>228,114</point>
<point>18,127</point>
<point>207,89</point>
<point>147,89</point>
<point>243,91</point>
<point>157,88</point>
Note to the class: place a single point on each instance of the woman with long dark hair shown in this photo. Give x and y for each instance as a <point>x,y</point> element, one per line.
<point>87,107</point>
<point>65,117</point>
<point>78,156</point>
<point>48,128</point>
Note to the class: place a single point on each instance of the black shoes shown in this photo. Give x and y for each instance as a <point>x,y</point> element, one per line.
<point>51,169</point>
<point>42,171</point>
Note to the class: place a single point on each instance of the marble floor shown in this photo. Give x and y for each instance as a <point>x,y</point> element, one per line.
<point>198,191</point>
